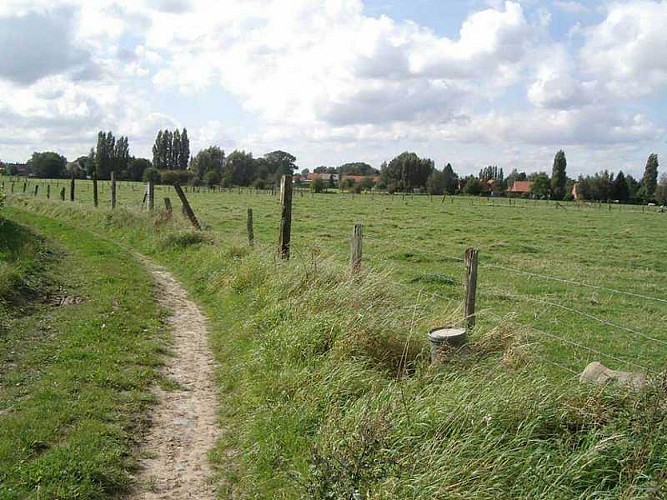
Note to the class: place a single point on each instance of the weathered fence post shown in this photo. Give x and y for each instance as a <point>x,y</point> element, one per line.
<point>48,191</point>
<point>62,193</point>
<point>285,215</point>
<point>12,189</point>
<point>36,189</point>
<point>95,193</point>
<point>72,186</point>
<point>251,231</point>
<point>470,262</point>
<point>113,189</point>
<point>186,206</point>
<point>356,243</point>
<point>25,186</point>
<point>151,195</point>
<point>167,204</point>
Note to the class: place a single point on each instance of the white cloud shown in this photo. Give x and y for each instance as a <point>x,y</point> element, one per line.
<point>324,78</point>
<point>626,51</point>
<point>571,6</point>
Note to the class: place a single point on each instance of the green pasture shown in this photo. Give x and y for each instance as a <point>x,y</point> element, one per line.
<point>419,241</point>
<point>326,389</point>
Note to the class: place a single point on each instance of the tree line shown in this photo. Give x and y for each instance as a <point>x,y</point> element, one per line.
<point>407,172</point>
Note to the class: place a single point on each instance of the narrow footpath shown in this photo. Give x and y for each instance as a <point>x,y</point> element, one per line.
<point>183,426</point>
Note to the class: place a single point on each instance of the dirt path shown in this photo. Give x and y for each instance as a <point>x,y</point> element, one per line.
<point>184,422</point>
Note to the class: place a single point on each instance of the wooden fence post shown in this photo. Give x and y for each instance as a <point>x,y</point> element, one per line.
<point>36,189</point>
<point>151,195</point>
<point>113,190</point>
<point>251,231</point>
<point>470,262</point>
<point>62,193</point>
<point>12,189</point>
<point>72,186</point>
<point>186,206</point>
<point>285,215</point>
<point>96,199</point>
<point>25,186</point>
<point>48,191</point>
<point>356,243</point>
<point>167,204</point>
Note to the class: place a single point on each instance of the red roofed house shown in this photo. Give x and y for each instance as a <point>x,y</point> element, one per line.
<point>521,187</point>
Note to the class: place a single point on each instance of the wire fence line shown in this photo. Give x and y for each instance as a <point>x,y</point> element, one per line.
<point>581,313</point>
<point>569,342</point>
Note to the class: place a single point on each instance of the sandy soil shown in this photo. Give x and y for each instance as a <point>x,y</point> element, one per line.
<point>184,421</point>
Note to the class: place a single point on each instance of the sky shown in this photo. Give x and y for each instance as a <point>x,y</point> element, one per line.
<point>466,82</point>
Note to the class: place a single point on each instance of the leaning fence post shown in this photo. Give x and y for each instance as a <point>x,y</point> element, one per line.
<point>356,243</point>
<point>95,193</point>
<point>113,189</point>
<point>285,215</point>
<point>251,231</point>
<point>186,206</point>
<point>470,262</point>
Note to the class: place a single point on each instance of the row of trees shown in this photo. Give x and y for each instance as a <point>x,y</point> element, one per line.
<point>171,150</point>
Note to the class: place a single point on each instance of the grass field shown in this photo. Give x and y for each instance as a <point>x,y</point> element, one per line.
<point>325,377</point>
<point>80,343</point>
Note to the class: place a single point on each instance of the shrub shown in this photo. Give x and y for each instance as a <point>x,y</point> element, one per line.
<point>183,177</point>
<point>151,174</point>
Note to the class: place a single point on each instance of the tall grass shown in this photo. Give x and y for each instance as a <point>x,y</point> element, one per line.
<point>327,390</point>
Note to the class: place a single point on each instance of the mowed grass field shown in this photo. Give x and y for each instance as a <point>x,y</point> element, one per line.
<point>420,240</point>
<point>326,388</point>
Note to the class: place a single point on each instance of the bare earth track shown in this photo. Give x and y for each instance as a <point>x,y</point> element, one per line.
<point>184,422</point>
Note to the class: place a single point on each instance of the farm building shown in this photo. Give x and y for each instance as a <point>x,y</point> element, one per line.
<point>521,188</point>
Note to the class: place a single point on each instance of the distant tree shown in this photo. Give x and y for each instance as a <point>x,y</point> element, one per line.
<point>317,185</point>
<point>171,150</point>
<point>357,168</point>
<point>407,171</point>
<point>620,189</point>
<point>305,172</point>
<point>136,168</point>
<point>472,185</point>
<point>212,178</point>
<point>121,155</point>
<point>367,183</point>
<point>436,183</point>
<point>183,177</point>
<point>211,158</point>
<point>541,185</point>
<point>451,179</point>
<point>151,174</point>
<point>239,169</point>
<point>184,156</point>
<point>661,190</point>
<point>47,165</point>
<point>650,179</point>
<point>558,176</point>
<point>515,175</point>
<point>347,183</point>
<point>324,170</point>
<point>633,189</point>
<point>111,155</point>
<point>279,163</point>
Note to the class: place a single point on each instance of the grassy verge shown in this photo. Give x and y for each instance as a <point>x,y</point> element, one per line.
<point>327,391</point>
<point>79,347</point>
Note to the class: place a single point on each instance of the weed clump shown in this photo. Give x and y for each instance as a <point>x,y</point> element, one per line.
<point>182,240</point>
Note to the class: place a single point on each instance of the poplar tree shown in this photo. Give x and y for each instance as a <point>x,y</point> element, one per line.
<point>558,176</point>
<point>650,179</point>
